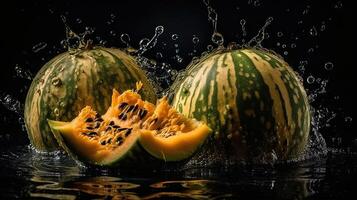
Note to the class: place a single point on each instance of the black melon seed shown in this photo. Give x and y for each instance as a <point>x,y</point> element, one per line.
<point>143,113</point>
<point>89,120</point>
<point>135,107</point>
<point>97,115</point>
<point>121,129</point>
<point>92,133</point>
<point>130,108</point>
<point>122,116</point>
<point>108,129</point>
<point>111,123</point>
<point>119,140</point>
<point>116,126</point>
<point>154,120</point>
<point>128,132</point>
<point>103,142</point>
<point>99,119</point>
<point>123,105</point>
<point>89,127</point>
<point>109,141</point>
<point>97,125</point>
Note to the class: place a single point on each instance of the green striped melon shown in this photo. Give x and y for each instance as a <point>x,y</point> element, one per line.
<point>69,82</point>
<point>251,98</point>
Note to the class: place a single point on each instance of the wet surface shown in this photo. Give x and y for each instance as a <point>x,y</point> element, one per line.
<point>27,174</point>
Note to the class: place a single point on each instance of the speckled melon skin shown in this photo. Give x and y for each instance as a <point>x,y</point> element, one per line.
<point>68,82</point>
<point>251,98</point>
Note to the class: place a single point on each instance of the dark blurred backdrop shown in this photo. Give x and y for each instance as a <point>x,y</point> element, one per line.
<point>25,24</point>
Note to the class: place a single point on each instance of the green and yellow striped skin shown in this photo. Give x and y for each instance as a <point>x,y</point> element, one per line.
<point>251,98</point>
<point>68,82</point>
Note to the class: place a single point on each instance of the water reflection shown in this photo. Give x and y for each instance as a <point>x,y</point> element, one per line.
<point>55,176</point>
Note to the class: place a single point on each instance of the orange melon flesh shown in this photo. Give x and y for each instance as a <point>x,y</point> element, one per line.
<point>160,130</point>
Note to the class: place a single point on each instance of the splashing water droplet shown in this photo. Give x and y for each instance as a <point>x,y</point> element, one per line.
<point>125,38</point>
<point>56,82</point>
<point>22,73</point>
<point>79,21</point>
<point>258,39</point>
<point>159,30</point>
<point>218,39</point>
<point>195,39</point>
<point>338,5</point>
<point>56,112</point>
<point>280,34</point>
<point>313,31</point>
<point>209,47</point>
<point>329,66</point>
<point>293,45</point>
<point>113,33</point>
<point>158,55</point>
<point>348,119</point>
<point>310,79</point>
<point>242,24</point>
<point>11,104</point>
<point>174,36</point>
<point>38,47</point>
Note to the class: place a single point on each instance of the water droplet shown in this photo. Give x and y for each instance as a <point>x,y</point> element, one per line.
<point>11,104</point>
<point>174,36</point>
<point>38,47</point>
<point>329,66</point>
<point>310,79</point>
<point>79,21</point>
<point>283,46</point>
<point>278,44</point>
<point>310,50</point>
<point>286,53</point>
<point>258,39</point>
<point>112,16</point>
<point>125,38</point>
<point>293,45</point>
<point>217,38</point>
<point>280,34</point>
<point>159,30</point>
<point>22,73</point>
<point>113,33</point>
<point>242,24</point>
<point>144,42</point>
<point>338,5</point>
<point>348,119</point>
<point>209,47</point>
<point>158,55</point>
<point>56,82</point>
<point>56,112</point>
<point>195,39</point>
<point>313,31</point>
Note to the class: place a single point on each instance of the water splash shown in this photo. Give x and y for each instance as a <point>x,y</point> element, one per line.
<point>146,44</point>
<point>257,40</point>
<point>38,47</point>
<point>217,38</point>
<point>22,72</point>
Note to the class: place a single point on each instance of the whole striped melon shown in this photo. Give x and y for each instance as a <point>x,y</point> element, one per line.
<point>69,82</point>
<point>251,99</point>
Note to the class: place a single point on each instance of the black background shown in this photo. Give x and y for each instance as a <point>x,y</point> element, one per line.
<point>25,24</point>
